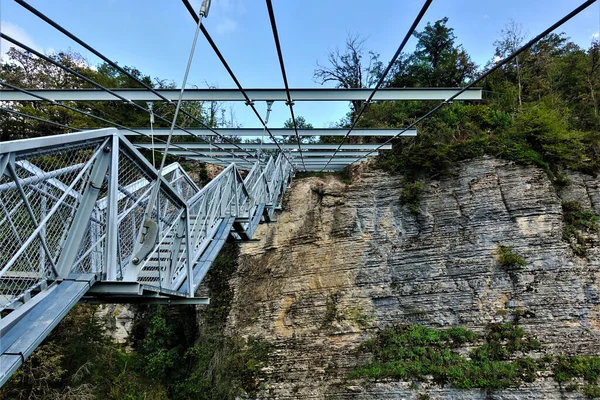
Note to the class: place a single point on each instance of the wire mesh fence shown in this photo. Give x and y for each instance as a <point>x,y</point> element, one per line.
<point>54,188</point>
<point>40,191</point>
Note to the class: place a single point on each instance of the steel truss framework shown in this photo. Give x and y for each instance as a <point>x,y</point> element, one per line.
<point>72,228</point>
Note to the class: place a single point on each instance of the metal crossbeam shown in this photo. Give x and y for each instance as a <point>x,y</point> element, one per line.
<point>271,146</point>
<point>310,94</point>
<point>257,132</point>
<point>307,161</point>
<point>307,154</point>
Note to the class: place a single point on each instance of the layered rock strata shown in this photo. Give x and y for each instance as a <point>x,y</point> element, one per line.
<point>347,260</point>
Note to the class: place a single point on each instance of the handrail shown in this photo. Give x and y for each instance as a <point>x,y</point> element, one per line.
<point>92,186</point>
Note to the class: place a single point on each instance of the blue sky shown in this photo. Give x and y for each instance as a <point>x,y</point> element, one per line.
<point>156,35</point>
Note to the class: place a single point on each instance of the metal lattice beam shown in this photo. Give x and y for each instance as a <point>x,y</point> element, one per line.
<point>311,94</point>
<point>271,146</point>
<point>257,132</point>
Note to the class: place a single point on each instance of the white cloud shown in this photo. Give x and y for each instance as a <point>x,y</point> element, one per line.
<point>595,35</point>
<point>226,25</point>
<point>497,58</point>
<point>16,32</point>
<point>225,15</point>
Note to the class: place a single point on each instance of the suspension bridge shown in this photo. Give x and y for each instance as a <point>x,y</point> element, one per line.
<point>85,217</point>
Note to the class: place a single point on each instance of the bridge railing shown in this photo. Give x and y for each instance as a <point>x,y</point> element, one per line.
<point>77,203</point>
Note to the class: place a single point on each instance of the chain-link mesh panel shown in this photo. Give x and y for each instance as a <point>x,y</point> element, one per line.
<point>37,214</point>
<point>39,195</point>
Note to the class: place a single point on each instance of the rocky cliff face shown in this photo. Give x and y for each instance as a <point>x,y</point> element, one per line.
<point>347,260</point>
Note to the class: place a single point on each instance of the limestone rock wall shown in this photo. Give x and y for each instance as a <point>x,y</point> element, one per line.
<point>345,260</point>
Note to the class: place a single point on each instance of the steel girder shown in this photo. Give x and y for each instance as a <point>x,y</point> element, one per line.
<point>258,132</point>
<point>311,94</point>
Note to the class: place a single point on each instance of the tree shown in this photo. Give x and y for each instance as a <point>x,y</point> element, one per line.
<point>301,124</point>
<point>592,73</point>
<point>435,42</point>
<point>512,37</point>
<point>436,62</point>
<point>348,70</point>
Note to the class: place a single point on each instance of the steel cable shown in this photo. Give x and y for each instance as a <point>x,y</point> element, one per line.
<point>218,53</point>
<point>410,32</point>
<point>491,70</point>
<point>101,87</point>
<point>289,101</point>
<point>114,65</point>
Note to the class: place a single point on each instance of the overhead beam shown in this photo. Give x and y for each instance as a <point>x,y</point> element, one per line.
<point>299,166</point>
<point>257,132</point>
<point>311,94</point>
<point>241,154</point>
<point>270,146</point>
<point>314,161</point>
<point>298,163</point>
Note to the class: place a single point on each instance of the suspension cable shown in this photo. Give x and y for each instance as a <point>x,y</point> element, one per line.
<point>118,68</point>
<point>154,195</point>
<point>24,115</point>
<point>183,83</point>
<point>103,88</point>
<point>408,35</point>
<point>249,101</point>
<point>501,63</point>
<point>289,101</point>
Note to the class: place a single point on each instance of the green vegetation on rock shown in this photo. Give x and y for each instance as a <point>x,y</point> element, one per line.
<point>411,195</point>
<point>417,352</point>
<point>587,368</point>
<point>581,227</point>
<point>509,259</point>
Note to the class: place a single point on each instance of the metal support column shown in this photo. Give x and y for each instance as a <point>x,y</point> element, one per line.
<point>84,212</point>
<point>112,214</point>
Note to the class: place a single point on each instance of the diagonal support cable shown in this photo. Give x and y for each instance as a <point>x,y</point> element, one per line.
<point>24,115</point>
<point>249,101</point>
<point>113,64</point>
<point>408,35</point>
<point>501,63</point>
<point>289,101</point>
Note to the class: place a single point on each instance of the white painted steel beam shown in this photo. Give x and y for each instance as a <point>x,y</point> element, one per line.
<point>269,146</point>
<point>257,132</point>
<point>297,161</point>
<point>311,94</point>
<point>241,154</point>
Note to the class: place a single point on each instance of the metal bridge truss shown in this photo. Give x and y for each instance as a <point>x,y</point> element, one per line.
<point>72,228</point>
